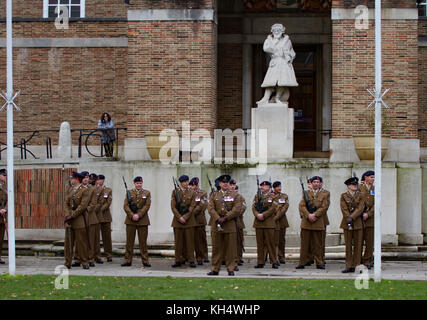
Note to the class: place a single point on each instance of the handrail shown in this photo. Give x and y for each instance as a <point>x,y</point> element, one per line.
<point>83,134</point>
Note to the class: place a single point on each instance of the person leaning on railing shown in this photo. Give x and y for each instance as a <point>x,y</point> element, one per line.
<point>107,136</point>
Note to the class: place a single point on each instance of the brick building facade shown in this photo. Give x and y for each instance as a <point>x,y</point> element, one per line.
<point>155,63</point>
<point>152,64</point>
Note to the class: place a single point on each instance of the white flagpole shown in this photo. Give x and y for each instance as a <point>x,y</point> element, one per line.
<point>10,174</point>
<point>378,105</point>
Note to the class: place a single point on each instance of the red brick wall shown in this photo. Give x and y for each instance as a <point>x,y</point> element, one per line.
<point>40,197</point>
<point>77,29</point>
<point>422,85</point>
<point>353,71</point>
<point>66,84</point>
<point>229,86</point>
<point>172,75</point>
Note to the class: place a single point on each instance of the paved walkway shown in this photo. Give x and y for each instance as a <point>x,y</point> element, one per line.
<point>161,267</point>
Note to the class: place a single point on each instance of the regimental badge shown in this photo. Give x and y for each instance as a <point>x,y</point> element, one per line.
<point>281,200</point>
<point>144,196</point>
<point>197,199</point>
<point>105,195</point>
<point>228,198</point>
<point>372,192</point>
<point>270,200</point>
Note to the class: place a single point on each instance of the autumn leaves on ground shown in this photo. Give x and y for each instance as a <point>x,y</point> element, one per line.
<point>42,287</point>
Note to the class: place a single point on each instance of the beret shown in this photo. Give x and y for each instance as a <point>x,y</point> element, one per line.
<point>194,181</point>
<point>316,178</point>
<point>84,173</point>
<point>352,180</point>
<point>367,174</point>
<point>183,178</point>
<point>224,178</point>
<point>3,172</point>
<point>276,184</point>
<point>265,183</point>
<point>101,177</point>
<point>77,175</point>
<point>232,181</point>
<point>137,179</point>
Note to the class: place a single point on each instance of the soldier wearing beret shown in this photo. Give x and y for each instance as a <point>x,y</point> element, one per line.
<point>368,191</point>
<point>104,217</point>
<point>200,241</point>
<point>264,211</point>
<point>137,221</point>
<point>312,224</point>
<point>224,206</point>
<point>85,215</point>
<point>183,205</point>
<point>240,224</point>
<point>3,208</point>
<point>76,203</point>
<point>282,204</point>
<point>352,205</point>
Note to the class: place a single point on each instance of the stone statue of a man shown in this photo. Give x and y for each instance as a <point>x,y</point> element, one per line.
<point>280,74</point>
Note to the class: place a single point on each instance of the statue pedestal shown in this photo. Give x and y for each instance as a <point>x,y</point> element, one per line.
<point>278,119</point>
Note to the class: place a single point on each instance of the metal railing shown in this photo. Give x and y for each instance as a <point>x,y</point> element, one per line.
<point>96,132</point>
<point>83,139</point>
<point>22,145</point>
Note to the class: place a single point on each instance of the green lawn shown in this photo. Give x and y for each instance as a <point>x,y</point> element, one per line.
<point>98,288</point>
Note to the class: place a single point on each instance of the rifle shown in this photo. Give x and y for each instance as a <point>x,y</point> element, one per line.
<point>309,205</point>
<point>181,207</point>
<point>210,184</point>
<point>132,206</point>
<point>259,206</point>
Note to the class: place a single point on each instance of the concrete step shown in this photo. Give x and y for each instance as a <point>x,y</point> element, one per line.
<point>337,252</point>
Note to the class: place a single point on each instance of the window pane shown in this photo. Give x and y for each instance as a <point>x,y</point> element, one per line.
<point>75,11</point>
<point>75,1</point>
<point>53,2</point>
<point>65,2</point>
<point>52,12</point>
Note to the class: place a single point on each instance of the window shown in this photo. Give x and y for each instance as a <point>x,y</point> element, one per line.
<point>76,8</point>
<point>422,8</point>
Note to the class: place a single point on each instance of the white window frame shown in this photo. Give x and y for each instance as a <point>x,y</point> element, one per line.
<point>46,8</point>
